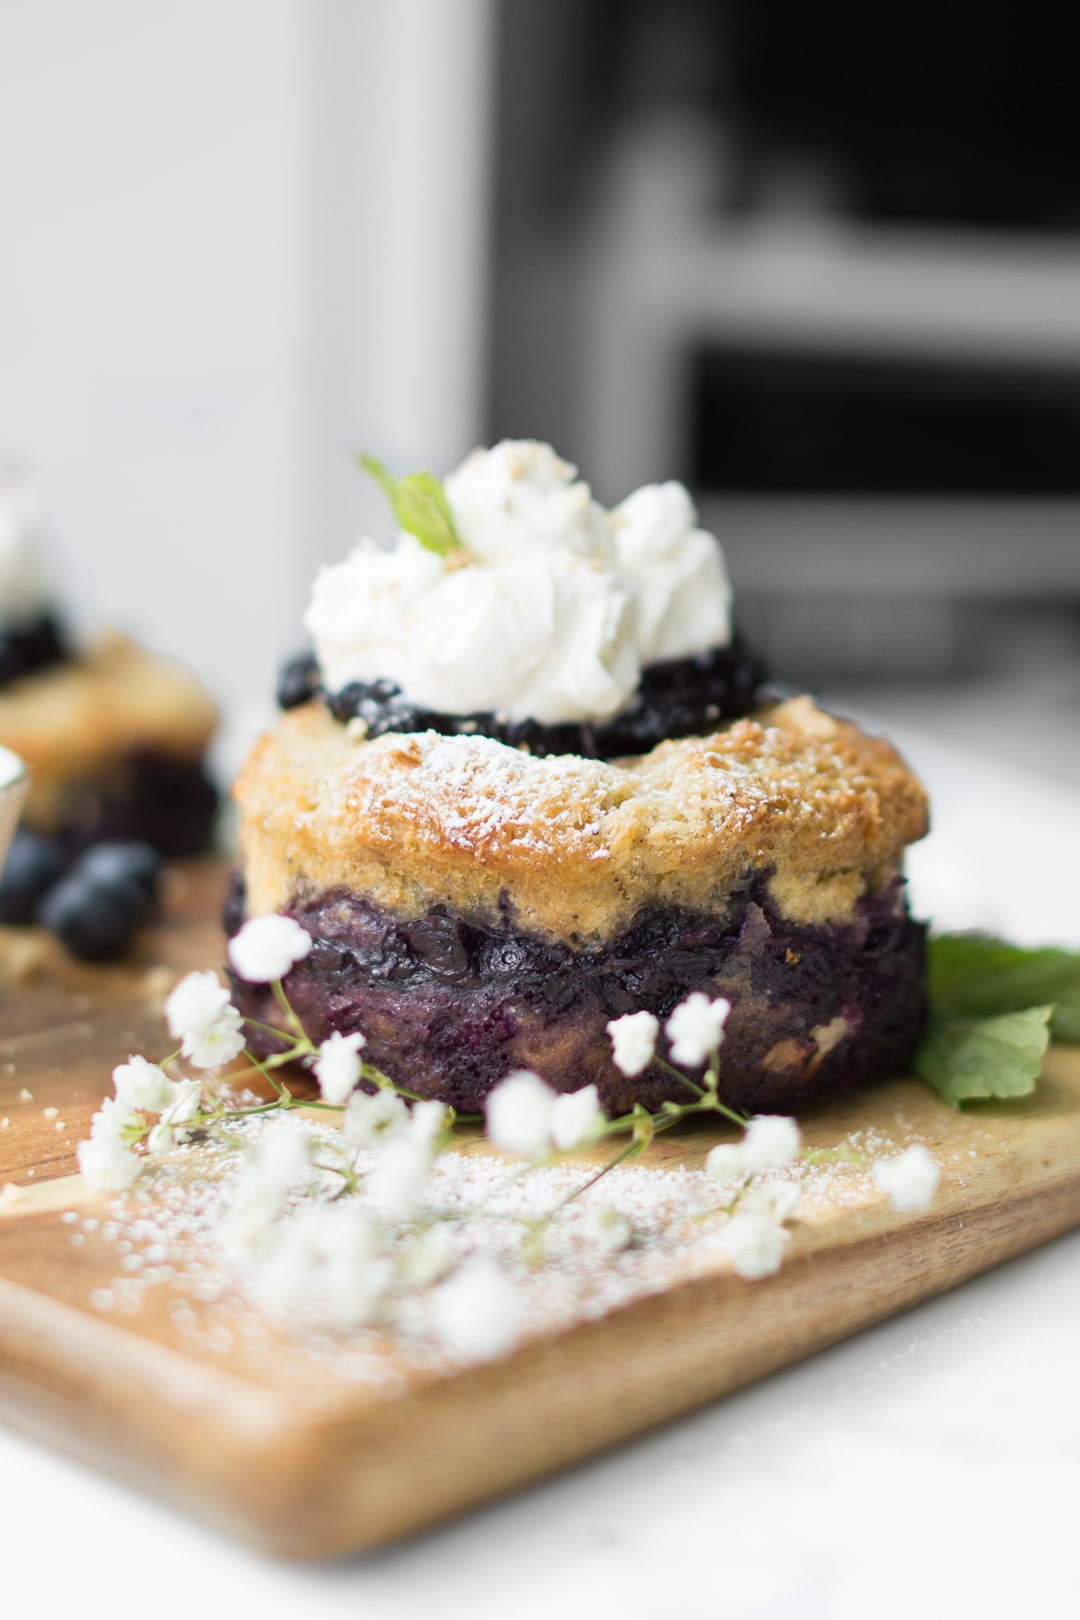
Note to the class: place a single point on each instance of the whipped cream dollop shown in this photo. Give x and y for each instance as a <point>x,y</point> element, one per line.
<point>549,612</point>
<point>24,588</point>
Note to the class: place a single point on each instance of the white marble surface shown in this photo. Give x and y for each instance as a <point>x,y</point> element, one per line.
<point>925,1468</point>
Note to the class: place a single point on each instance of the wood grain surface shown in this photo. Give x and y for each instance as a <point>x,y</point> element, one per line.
<point>304,1463</point>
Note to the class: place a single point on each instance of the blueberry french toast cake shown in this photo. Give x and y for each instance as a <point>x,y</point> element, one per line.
<point>529,780</point>
<point>114,738</point>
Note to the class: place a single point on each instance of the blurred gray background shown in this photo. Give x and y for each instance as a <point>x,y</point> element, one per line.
<point>823,263</point>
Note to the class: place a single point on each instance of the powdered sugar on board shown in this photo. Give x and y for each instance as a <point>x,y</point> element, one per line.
<point>640,1231</point>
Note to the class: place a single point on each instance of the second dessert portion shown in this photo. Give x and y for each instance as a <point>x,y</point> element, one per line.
<point>114,739</point>
<point>487,886</point>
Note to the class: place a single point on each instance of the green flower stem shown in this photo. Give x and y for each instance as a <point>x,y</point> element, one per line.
<point>677,1074</point>
<point>302,1037</point>
<point>282,1091</point>
<point>630,1151</point>
<point>376,1077</point>
<point>275,1030</point>
<point>201,1120</point>
<point>840,1155</point>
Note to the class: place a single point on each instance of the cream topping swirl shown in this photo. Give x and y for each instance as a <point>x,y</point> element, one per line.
<point>552,612</point>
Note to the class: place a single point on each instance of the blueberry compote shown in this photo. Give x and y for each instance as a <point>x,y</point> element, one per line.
<point>450,1007</point>
<point>687,697</point>
<point>26,648</point>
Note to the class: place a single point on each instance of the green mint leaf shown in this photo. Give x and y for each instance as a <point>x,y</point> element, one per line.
<point>976,976</point>
<point>965,1059</point>
<point>419,504</point>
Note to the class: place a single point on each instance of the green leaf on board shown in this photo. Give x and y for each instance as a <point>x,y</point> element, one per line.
<point>965,1059</point>
<point>976,976</point>
<point>419,504</point>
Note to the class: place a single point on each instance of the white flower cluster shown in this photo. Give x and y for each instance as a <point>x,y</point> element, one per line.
<point>305,1257</point>
<point>265,948</point>
<point>306,1251</point>
<point>525,1116</point>
<point>695,1030</point>
<point>201,1017</point>
<point>337,1066</point>
<point>769,1142</point>
<point>753,1239</point>
<point>909,1180</point>
<point>107,1158</point>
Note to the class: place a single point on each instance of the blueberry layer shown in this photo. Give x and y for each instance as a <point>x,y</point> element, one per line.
<point>684,698</point>
<point>168,803</point>
<point>26,648</point>
<point>449,1008</point>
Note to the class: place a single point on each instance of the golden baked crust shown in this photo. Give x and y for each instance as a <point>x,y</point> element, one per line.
<point>77,722</point>
<point>576,847</point>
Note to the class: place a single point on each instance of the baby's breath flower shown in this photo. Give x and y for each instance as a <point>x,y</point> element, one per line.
<point>633,1041</point>
<point>771,1141</point>
<point>909,1179</point>
<point>185,1100</point>
<point>605,1227</point>
<point>577,1119</point>
<point>283,1159</point>
<point>398,1178</point>
<point>429,1256</point>
<point>161,1139</point>
<point>372,1121</point>
<point>777,1201</point>
<point>106,1159</point>
<point>281,1164</point>
<point>519,1114</point>
<point>351,1275</point>
<point>107,1163</point>
<point>324,1260</point>
<point>753,1243</point>
<point>337,1066</point>
<point>141,1085</point>
<point>477,1313</point>
<point>201,1017</point>
<point>726,1163</point>
<point>281,1275</point>
<point>696,1028</point>
<point>267,947</point>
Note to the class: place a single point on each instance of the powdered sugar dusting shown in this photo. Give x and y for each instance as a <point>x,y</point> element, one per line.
<point>170,1260</point>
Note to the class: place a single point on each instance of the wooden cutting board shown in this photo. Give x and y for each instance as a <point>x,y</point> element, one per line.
<point>305,1462</point>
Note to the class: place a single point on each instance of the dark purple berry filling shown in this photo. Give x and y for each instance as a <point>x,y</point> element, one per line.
<point>168,803</point>
<point>449,1007</point>
<point>26,648</point>
<point>687,697</point>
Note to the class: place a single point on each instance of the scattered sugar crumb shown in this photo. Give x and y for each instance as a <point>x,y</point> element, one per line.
<point>51,1113</point>
<point>24,1095</point>
<point>165,1234</point>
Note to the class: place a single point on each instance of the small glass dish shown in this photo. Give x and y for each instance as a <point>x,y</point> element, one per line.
<point>14,781</point>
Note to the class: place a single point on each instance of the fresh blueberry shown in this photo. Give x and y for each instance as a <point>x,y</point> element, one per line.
<point>95,919</point>
<point>122,858</point>
<point>33,865</point>
<point>299,681</point>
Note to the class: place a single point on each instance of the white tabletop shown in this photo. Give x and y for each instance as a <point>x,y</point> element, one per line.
<point>925,1468</point>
